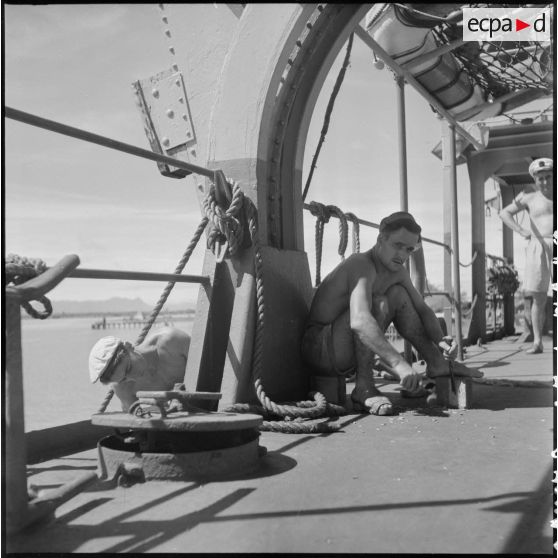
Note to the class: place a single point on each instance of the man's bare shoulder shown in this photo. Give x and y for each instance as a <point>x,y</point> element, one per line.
<point>357,266</point>
<point>526,197</point>
<point>170,335</point>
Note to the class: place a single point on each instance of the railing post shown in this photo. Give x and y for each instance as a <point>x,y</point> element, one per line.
<point>448,287</point>
<point>452,186</point>
<point>16,461</point>
<point>403,190</point>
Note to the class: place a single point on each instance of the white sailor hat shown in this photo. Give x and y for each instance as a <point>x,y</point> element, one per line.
<point>103,356</point>
<point>542,164</point>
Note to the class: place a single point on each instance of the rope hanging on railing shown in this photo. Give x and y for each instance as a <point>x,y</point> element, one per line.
<point>319,211</point>
<point>323,213</point>
<point>162,299</point>
<point>292,413</point>
<point>356,231</point>
<point>18,270</point>
<point>343,229</point>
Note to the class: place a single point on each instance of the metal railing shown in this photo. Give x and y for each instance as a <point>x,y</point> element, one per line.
<point>90,137</point>
<point>137,276</point>
<point>376,226</point>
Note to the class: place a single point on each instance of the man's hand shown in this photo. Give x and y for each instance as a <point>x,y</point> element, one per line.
<point>449,347</point>
<point>525,233</point>
<point>410,380</point>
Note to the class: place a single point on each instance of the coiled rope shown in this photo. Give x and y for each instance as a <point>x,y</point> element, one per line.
<point>18,270</point>
<point>292,413</point>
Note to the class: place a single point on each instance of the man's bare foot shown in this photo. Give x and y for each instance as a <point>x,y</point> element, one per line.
<point>534,350</point>
<point>371,401</point>
<point>457,368</point>
<point>525,337</point>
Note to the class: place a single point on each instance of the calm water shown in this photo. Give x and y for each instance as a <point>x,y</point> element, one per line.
<point>56,383</point>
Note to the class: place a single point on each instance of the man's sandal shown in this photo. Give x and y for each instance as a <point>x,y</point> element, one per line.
<point>377,403</point>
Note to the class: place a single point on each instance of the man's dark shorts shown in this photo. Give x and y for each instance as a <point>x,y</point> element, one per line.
<point>317,350</point>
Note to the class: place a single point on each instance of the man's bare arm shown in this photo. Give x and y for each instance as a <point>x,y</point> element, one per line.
<point>365,326</point>
<point>427,315</point>
<point>507,213</point>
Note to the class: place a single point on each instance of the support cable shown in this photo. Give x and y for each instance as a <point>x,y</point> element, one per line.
<point>329,109</point>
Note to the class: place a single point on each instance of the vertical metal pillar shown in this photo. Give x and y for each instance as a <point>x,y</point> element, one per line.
<point>403,191</point>
<point>448,287</point>
<point>507,252</point>
<point>477,174</point>
<point>451,185</point>
<point>16,460</point>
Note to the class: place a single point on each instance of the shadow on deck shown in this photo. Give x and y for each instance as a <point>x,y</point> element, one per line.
<point>466,481</point>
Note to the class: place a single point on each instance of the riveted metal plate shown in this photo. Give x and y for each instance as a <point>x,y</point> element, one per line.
<point>163,104</point>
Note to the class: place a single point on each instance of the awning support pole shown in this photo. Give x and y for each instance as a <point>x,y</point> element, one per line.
<point>403,191</point>
<point>450,176</point>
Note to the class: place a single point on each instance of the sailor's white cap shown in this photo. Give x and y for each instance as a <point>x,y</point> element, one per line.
<point>542,164</point>
<point>102,356</point>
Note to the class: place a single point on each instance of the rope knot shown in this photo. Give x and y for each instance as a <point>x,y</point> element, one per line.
<point>320,211</point>
<point>226,229</point>
<point>18,270</point>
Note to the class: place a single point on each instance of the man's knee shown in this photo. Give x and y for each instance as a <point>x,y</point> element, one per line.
<point>398,298</point>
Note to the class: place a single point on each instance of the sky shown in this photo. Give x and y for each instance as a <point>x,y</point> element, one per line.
<point>75,64</point>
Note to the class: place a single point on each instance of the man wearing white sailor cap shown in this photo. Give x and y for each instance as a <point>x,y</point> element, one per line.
<point>157,364</point>
<point>537,280</point>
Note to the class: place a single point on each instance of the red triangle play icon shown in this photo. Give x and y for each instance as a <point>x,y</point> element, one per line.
<point>519,25</point>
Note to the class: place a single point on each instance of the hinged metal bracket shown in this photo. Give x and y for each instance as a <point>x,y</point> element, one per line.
<point>166,118</point>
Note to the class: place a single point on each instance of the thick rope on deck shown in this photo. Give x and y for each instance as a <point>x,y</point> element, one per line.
<point>18,270</point>
<point>162,299</point>
<point>292,413</point>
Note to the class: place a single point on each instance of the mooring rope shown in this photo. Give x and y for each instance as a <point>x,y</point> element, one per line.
<point>18,270</point>
<point>317,408</point>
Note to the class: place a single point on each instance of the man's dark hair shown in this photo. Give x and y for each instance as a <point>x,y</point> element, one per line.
<point>398,220</point>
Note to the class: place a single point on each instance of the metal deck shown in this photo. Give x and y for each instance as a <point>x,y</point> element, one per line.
<point>458,481</point>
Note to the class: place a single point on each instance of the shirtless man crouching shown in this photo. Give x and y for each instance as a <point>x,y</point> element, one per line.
<point>355,304</point>
<point>157,364</point>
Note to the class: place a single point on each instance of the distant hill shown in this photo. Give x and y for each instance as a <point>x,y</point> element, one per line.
<point>115,305</point>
